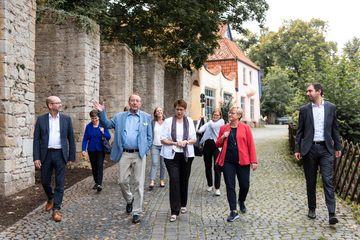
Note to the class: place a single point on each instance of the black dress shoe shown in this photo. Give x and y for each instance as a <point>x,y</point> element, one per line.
<point>242,207</point>
<point>332,219</point>
<point>311,214</point>
<point>95,186</point>
<point>129,206</point>
<point>99,188</point>
<point>136,218</point>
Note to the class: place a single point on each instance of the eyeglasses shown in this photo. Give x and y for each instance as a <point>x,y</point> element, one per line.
<point>56,103</point>
<point>232,113</point>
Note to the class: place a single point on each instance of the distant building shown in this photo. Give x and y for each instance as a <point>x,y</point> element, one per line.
<point>227,74</point>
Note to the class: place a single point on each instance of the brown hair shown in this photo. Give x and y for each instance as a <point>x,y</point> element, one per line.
<point>181,103</point>
<point>318,87</point>
<point>154,113</point>
<point>93,113</point>
<point>217,110</point>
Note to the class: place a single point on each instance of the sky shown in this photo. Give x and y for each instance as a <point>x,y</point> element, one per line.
<point>343,17</point>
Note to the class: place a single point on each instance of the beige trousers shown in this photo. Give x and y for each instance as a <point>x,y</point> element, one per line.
<point>131,164</point>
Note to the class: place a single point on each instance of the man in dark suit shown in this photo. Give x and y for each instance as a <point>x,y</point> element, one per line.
<point>53,148</point>
<point>316,139</point>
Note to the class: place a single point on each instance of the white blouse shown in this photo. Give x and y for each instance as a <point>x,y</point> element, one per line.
<point>168,151</point>
<point>157,134</point>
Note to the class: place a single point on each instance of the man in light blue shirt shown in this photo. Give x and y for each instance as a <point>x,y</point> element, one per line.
<point>132,140</point>
<point>131,131</point>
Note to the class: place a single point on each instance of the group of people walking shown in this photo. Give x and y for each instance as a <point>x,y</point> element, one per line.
<point>227,148</point>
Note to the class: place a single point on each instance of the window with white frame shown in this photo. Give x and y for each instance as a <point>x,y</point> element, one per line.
<point>250,77</point>
<point>252,109</point>
<point>242,104</point>
<point>209,102</point>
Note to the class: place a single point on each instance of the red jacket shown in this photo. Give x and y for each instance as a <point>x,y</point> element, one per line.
<point>245,144</point>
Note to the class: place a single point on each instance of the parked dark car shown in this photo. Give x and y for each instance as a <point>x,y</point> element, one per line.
<point>283,120</point>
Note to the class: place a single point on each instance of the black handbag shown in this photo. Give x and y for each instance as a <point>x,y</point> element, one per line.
<point>198,147</point>
<point>106,144</point>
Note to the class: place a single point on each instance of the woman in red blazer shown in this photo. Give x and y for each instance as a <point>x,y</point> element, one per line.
<point>238,155</point>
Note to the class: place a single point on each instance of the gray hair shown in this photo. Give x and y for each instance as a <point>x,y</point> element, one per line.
<point>238,110</point>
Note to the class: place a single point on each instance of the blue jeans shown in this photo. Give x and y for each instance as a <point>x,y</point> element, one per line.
<point>155,159</point>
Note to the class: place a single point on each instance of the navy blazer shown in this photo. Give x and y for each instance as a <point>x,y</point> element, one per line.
<point>41,138</point>
<point>305,132</point>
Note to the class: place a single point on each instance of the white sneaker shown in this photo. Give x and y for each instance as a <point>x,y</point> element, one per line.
<point>183,210</point>
<point>173,218</point>
<point>217,192</point>
<point>209,189</point>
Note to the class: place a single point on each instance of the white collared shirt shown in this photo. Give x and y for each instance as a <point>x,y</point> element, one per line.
<point>54,132</point>
<point>319,121</point>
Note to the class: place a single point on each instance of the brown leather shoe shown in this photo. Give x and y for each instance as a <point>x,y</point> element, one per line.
<point>56,216</point>
<point>49,205</point>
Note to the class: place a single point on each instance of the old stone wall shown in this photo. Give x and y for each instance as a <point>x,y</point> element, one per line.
<point>67,65</point>
<point>17,49</point>
<point>66,59</point>
<point>116,76</point>
<point>149,81</point>
<point>177,85</point>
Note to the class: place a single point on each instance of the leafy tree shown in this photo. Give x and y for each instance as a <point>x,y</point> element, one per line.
<point>300,48</point>
<point>343,88</point>
<point>94,9</point>
<point>183,32</point>
<point>247,40</point>
<point>352,49</point>
<point>277,92</point>
<point>297,45</point>
<point>225,108</point>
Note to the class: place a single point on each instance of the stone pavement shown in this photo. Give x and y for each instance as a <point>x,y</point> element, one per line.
<point>276,205</point>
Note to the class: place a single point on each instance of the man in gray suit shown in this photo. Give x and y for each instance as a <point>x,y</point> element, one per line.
<point>316,139</point>
<point>53,148</point>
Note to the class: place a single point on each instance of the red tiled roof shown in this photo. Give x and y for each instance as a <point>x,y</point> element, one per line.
<point>230,50</point>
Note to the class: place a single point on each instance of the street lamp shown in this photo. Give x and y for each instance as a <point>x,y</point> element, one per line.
<point>202,100</point>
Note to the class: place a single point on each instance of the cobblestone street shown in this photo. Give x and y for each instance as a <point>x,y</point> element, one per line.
<point>277,207</point>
